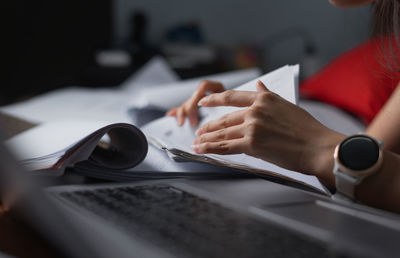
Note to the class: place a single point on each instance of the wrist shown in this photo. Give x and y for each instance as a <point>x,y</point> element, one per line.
<point>323,161</point>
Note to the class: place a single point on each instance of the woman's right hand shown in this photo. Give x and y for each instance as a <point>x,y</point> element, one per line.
<point>189,108</point>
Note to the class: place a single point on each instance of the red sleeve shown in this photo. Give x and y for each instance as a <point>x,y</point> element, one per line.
<point>357,81</point>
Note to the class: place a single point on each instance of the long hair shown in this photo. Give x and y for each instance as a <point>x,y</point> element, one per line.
<point>386,26</point>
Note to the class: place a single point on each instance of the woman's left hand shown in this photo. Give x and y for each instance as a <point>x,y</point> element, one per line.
<point>271,129</point>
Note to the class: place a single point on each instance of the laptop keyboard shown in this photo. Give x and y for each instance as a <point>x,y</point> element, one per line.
<point>189,226</point>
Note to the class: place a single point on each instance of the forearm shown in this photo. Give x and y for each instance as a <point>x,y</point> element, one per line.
<point>386,125</point>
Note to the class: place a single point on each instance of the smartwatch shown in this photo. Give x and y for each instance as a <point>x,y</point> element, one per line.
<point>356,157</point>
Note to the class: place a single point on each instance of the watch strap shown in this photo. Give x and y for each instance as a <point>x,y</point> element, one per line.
<point>345,185</point>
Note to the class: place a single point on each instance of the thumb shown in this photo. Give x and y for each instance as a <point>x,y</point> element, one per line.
<point>261,87</point>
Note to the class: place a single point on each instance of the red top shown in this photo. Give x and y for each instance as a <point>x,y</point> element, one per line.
<point>358,81</point>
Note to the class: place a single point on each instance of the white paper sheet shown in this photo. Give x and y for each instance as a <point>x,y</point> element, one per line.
<point>92,104</point>
<point>50,138</point>
<point>157,71</point>
<point>73,103</point>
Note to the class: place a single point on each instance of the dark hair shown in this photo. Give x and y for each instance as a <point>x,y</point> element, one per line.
<point>386,26</point>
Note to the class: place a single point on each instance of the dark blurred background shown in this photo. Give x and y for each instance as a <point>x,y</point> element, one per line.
<point>99,43</point>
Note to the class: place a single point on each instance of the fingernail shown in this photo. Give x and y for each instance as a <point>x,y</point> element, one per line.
<point>203,101</point>
<point>195,148</point>
<point>196,141</point>
<point>199,131</point>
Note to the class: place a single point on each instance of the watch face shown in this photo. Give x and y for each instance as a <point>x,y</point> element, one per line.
<point>359,153</point>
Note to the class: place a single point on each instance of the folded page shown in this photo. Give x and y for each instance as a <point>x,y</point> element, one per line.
<point>54,146</point>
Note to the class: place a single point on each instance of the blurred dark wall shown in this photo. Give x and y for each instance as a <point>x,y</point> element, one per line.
<point>49,44</point>
<point>238,22</point>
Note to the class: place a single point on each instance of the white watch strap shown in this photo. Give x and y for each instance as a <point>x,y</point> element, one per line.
<point>345,185</point>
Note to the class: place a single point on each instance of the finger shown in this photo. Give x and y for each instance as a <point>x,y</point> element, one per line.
<point>191,106</point>
<point>172,112</point>
<point>192,111</point>
<point>235,146</point>
<point>193,117</point>
<point>225,121</point>
<point>261,87</point>
<point>229,98</point>
<point>204,87</point>
<point>207,86</point>
<point>230,133</point>
<point>180,116</point>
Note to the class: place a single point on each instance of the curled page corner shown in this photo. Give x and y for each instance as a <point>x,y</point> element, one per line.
<point>52,147</point>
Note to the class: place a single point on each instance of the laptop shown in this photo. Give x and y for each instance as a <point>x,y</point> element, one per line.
<point>196,218</point>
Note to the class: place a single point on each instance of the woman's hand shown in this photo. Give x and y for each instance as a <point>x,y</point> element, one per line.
<point>271,129</point>
<point>189,108</point>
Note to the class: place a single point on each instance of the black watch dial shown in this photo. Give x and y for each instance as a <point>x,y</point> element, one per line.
<point>358,152</point>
